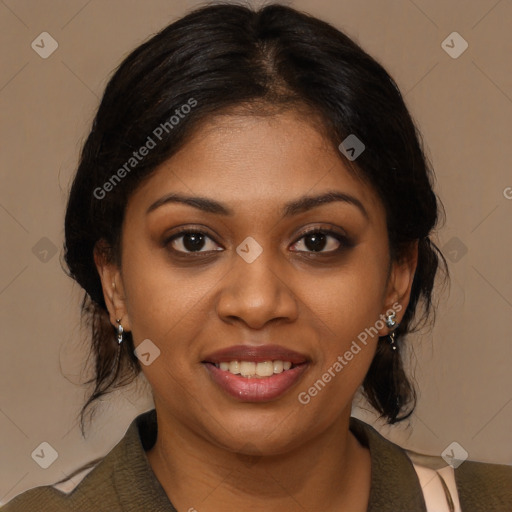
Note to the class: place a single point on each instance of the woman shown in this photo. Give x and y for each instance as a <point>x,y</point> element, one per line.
<point>250,221</point>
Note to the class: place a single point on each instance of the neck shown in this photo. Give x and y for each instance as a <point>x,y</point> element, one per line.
<point>330,472</point>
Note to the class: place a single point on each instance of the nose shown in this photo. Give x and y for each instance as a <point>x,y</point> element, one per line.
<point>256,293</point>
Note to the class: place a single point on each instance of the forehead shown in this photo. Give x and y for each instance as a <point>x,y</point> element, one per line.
<point>252,161</point>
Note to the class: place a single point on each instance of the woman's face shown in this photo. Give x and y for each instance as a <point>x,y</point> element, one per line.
<point>255,279</point>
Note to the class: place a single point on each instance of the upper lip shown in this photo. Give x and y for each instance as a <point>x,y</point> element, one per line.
<point>256,353</point>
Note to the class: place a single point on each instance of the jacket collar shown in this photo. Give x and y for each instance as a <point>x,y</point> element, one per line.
<point>394,484</point>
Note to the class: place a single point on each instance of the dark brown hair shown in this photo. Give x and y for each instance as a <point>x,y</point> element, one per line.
<point>224,56</point>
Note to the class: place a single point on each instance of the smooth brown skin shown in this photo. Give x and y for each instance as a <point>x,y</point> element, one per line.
<point>307,459</point>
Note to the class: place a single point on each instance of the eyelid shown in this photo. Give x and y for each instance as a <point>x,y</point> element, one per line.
<point>185,230</point>
<point>324,228</point>
<point>342,237</point>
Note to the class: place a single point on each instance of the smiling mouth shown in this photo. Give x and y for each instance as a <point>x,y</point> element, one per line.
<point>252,369</point>
<point>250,381</point>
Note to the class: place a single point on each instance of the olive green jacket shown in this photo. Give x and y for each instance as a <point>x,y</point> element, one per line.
<point>124,482</point>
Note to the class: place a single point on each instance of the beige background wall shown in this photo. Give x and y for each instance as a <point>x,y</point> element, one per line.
<point>464,109</point>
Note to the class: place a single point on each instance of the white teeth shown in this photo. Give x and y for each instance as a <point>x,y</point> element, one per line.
<point>252,369</point>
<point>247,368</point>
<point>278,366</point>
<point>265,369</point>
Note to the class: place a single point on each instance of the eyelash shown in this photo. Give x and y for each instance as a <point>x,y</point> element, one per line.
<point>344,241</point>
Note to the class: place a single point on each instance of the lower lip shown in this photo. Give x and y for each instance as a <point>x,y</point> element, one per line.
<point>265,389</point>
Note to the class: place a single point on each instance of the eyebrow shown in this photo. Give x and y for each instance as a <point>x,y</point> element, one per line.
<point>300,205</point>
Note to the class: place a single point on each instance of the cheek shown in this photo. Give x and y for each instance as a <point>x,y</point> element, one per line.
<point>168,307</point>
<point>351,298</point>
<point>346,308</point>
<point>162,301</point>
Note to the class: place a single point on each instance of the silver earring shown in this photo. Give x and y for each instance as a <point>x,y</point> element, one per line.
<point>390,320</point>
<point>392,341</point>
<point>392,324</point>
<point>120,331</point>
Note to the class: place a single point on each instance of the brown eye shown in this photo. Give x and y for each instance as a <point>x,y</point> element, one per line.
<point>321,241</point>
<point>190,241</point>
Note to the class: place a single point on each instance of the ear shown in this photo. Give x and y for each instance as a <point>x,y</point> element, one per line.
<point>112,284</point>
<point>401,277</point>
